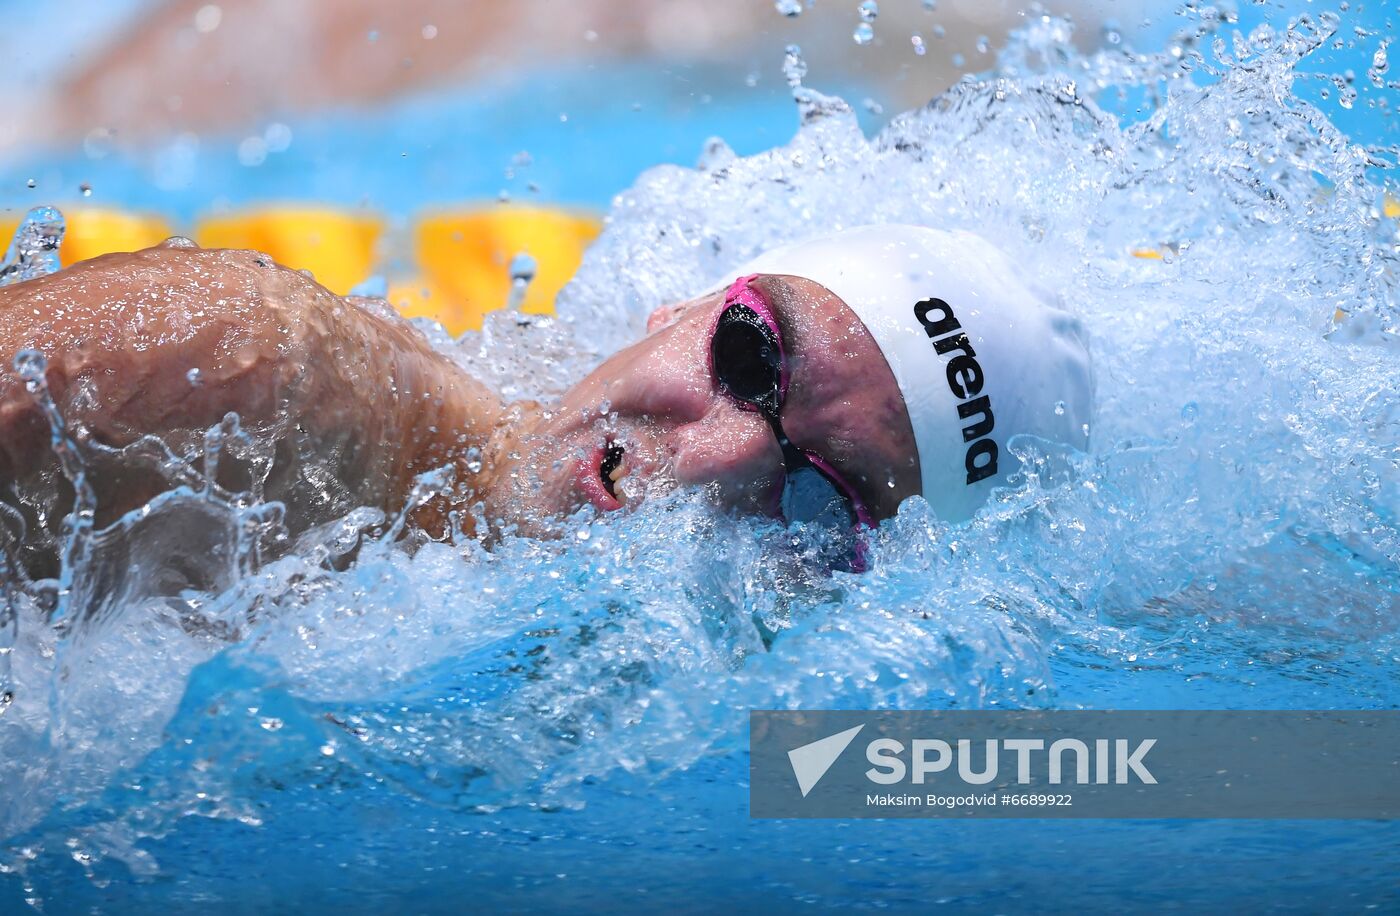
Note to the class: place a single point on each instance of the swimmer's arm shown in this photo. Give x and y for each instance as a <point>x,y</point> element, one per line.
<point>168,340</point>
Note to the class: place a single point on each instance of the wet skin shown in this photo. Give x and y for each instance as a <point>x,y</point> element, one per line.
<point>357,403</point>
<point>678,426</point>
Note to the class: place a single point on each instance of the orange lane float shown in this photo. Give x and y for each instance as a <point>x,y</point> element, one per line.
<point>91,231</point>
<point>339,247</point>
<point>464,257</point>
<point>460,258</point>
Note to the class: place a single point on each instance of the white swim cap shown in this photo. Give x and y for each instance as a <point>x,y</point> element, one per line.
<point>978,356</point>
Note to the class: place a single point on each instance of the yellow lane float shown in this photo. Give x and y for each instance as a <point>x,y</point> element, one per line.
<point>464,257</point>
<point>461,258</point>
<point>339,247</point>
<point>92,231</point>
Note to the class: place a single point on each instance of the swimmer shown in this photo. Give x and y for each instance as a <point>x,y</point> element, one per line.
<point>828,380</point>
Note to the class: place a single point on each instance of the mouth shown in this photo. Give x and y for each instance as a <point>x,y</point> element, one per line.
<point>600,473</point>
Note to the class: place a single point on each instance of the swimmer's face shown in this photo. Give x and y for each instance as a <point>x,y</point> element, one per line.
<point>653,417</point>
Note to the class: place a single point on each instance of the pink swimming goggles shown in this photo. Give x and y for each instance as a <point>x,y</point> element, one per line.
<point>748,361</point>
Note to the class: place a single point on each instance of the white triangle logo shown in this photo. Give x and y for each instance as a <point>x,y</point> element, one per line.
<point>811,761</point>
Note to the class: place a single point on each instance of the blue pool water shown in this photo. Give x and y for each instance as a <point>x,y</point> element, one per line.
<point>561,725</point>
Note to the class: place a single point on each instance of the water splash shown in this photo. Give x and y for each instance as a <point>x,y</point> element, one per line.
<point>522,273</point>
<point>33,251</point>
<point>811,105</point>
<point>1233,539</point>
<point>76,535</point>
<point>794,67</point>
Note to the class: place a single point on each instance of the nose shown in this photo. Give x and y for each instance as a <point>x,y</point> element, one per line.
<point>735,450</point>
<point>663,377</point>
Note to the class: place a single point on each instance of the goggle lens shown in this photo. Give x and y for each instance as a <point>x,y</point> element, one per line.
<point>746,357</point>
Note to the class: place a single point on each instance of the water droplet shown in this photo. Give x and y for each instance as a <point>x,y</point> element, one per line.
<point>863,34</point>
<point>789,8</point>
<point>873,106</point>
<point>193,378</point>
<point>207,18</point>
<point>98,143</point>
<point>373,35</point>
<point>868,10</point>
<point>930,5</point>
<point>984,44</point>
<point>583,535</point>
<point>31,183</point>
<point>30,364</point>
<point>918,42</point>
<point>474,460</point>
<point>86,189</point>
<point>1190,411</point>
<point>716,154</point>
<point>1059,408</point>
<point>33,251</point>
<point>429,32</point>
<point>794,67</point>
<point>939,31</point>
<point>252,151</point>
<point>1380,63</point>
<point>522,267</point>
<point>277,137</point>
